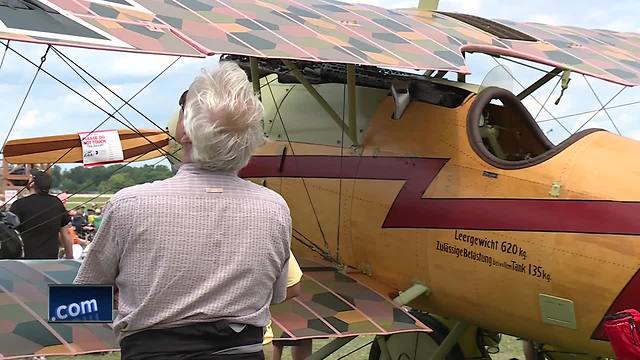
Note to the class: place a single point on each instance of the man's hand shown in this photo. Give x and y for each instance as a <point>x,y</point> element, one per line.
<point>294,291</point>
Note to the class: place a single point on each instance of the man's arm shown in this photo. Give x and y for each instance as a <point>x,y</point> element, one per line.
<point>100,266</point>
<point>282,281</point>
<point>294,291</point>
<point>293,277</point>
<point>280,286</point>
<point>67,243</point>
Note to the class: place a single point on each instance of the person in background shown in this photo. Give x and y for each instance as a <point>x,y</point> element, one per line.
<point>97,220</point>
<point>84,214</point>
<point>301,348</point>
<point>64,196</point>
<point>77,220</point>
<point>43,220</point>
<point>91,216</point>
<point>213,300</point>
<point>75,239</point>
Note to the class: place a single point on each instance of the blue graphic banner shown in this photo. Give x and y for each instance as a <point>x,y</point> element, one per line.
<point>80,303</point>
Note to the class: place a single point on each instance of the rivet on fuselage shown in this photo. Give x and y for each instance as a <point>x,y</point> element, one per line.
<point>555,189</point>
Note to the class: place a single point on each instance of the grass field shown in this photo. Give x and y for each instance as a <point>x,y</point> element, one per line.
<point>87,199</point>
<point>509,348</point>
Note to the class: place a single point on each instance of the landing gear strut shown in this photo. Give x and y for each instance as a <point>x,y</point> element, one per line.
<point>414,346</point>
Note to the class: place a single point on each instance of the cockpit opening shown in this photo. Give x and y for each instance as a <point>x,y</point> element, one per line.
<point>503,132</point>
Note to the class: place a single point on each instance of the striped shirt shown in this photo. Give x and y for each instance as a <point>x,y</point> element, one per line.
<point>200,246</point>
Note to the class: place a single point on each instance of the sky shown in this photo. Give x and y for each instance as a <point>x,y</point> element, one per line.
<point>53,109</point>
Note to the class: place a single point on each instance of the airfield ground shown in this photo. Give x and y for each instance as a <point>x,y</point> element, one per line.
<point>509,348</point>
<point>87,199</point>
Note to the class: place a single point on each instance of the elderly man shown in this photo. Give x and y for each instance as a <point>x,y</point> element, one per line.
<point>198,286</point>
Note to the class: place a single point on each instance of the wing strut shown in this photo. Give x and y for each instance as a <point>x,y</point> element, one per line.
<point>351,93</point>
<point>542,105</point>
<point>255,76</point>
<point>325,105</point>
<point>538,84</point>
<point>440,74</point>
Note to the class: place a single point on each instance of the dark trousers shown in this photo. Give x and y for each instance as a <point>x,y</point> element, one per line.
<point>197,341</point>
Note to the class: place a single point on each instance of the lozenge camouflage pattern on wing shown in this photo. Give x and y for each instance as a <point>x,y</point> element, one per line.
<point>24,331</point>
<point>317,30</point>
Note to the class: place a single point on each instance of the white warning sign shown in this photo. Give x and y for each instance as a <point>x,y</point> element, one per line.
<point>10,196</point>
<point>101,147</point>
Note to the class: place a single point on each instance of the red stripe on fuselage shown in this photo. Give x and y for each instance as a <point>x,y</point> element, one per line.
<point>411,210</point>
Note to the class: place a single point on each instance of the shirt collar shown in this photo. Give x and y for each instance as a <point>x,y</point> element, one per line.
<point>191,168</point>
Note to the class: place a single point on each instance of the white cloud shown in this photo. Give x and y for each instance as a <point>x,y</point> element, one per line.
<point>29,120</point>
<point>140,65</point>
<point>100,97</point>
<point>462,6</point>
<point>546,19</point>
<point>33,119</point>
<point>30,123</point>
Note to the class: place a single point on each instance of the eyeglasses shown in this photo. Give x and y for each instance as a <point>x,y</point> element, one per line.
<point>183,99</point>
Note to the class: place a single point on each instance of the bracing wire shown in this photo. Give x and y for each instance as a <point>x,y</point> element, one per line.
<point>57,52</point>
<point>602,105</point>
<point>26,96</point>
<point>105,120</point>
<point>315,214</point>
<point>63,56</point>
<point>601,108</point>
<point>590,111</point>
<point>60,53</point>
<point>542,106</point>
<point>96,105</point>
<point>313,246</point>
<point>4,54</point>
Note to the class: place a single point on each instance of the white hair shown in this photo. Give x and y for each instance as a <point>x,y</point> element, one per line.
<point>223,119</point>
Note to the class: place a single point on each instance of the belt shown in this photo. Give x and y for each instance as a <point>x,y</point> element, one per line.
<point>215,338</point>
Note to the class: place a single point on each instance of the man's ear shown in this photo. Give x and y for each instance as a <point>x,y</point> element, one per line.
<point>185,139</point>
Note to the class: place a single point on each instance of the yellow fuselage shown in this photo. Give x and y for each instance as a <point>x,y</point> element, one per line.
<point>414,202</point>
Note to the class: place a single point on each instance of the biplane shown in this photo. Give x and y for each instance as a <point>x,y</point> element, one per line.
<point>441,195</point>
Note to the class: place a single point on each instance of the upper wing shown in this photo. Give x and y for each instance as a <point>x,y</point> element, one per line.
<point>72,23</point>
<point>318,30</point>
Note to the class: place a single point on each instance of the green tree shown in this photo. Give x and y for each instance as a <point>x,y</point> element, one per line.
<point>106,179</point>
<point>56,176</point>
